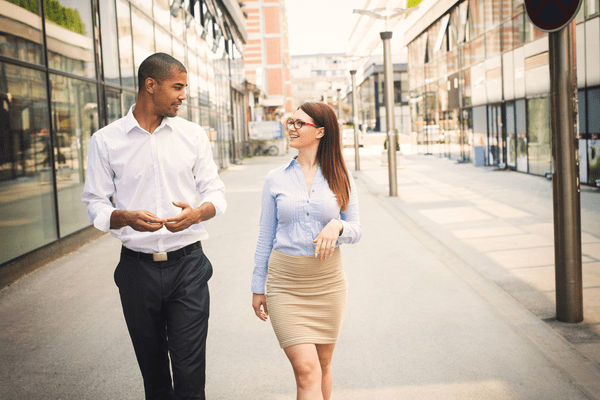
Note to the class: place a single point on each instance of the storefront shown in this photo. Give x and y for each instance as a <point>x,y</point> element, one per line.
<point>480,85</point>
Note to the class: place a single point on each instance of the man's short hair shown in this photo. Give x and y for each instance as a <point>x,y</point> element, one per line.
<point>158,66</point>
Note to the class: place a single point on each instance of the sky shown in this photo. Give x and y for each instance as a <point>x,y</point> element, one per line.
<point>320,26</point>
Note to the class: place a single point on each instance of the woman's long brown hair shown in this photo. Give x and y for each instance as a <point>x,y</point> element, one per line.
<point>329,154</point>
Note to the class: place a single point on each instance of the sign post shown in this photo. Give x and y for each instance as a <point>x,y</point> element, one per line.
<point>555,17</point>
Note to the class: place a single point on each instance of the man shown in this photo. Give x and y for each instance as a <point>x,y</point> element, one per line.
<point>155,164</point>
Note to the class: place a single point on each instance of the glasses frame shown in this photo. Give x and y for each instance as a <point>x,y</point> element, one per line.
<point>294,122</point>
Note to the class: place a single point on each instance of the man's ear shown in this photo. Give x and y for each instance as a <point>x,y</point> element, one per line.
<point>150,85</point>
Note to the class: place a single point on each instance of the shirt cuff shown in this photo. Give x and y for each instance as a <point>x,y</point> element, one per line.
<point>220,205</point>
<point>345,230</point>
<point>102,220</point>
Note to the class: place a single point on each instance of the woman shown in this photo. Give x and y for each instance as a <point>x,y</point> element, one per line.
<point>309,207</point>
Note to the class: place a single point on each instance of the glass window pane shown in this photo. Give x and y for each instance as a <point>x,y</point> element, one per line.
<point>476,17</point>
<point>75,119</point>
<point>492,43</point>
<point>492,13</point>
<point>507,9</point>
<point>519,30</point>
<point>193,79</point>
<point>511,135</point>
<point>21,31</point>
<point>110,56</point>
<point>593,7</point>
<point>521,124</point>
<point>581,112</point>
<point>538,129</point>
<point>144,5</point>
<point>125,44</point>
<point>507,36</point>
<point>593,110</point>
<point>128,101</point>
<point>69,35</point>
<point>162,13</point>
<point>178,25</point>
<point>477,53</point>
<point>26,189</point>
<point>531,32</point>
<point>163,40</point>
<point>143,40</point>
<point>581,13</point>
<point>113,106</point>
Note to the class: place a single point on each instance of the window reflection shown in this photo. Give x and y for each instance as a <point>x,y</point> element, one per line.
<point>162,13</point>
<point>163,40</point>
<point>110,56</point>
<point>75,119</point>
<point>69,37</point>
<point>27,215</point>
<point>21,31</point>
<point>125,44</point>
<point>143,43</point>
<point>113,106</point>
<point>538,133</point>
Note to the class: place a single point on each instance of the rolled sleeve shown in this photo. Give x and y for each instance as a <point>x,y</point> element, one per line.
<point>208,183</point>
<point>99,186</point>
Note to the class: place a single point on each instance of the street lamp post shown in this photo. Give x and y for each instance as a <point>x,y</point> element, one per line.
<point>389,110</point>
<point>355,121</point>
<point>387,14</point>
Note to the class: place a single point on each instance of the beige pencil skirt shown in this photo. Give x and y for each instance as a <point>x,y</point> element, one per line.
<point>306,298</point>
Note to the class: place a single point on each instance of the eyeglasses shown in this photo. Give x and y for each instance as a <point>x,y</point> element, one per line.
<point>297,124</point>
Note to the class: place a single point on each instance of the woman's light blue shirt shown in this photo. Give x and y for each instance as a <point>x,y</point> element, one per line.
<point>291,218</point>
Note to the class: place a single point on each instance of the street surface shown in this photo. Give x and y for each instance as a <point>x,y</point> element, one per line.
<point>451,296</point>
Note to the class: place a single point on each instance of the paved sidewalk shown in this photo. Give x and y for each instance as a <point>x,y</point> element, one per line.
<point>434,311</point>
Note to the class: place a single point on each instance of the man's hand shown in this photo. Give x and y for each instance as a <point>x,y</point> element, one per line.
<point>142,221</point>
<point>189,216</point>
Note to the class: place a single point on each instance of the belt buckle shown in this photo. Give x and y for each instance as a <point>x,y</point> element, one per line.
<point>159,256</point>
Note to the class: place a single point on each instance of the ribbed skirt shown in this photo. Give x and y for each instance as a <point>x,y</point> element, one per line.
<point>306,298</point>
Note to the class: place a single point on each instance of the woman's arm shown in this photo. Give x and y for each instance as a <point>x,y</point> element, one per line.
<point>352,230</point>
<point>266,236</point>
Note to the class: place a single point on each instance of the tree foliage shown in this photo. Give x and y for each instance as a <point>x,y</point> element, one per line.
<point>63,16</point>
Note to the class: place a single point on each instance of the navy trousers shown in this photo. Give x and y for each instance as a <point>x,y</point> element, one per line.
<point>166,307</point>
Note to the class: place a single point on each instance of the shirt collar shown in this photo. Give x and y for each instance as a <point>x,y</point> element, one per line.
<point>294,162</point>
<point>131,123</point>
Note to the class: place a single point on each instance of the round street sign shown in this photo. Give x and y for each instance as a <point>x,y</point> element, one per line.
<point>551,15</point>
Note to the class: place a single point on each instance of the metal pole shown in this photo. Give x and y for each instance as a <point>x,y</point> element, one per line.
<point>565,176</point>
<point>355,121</point>
<point>389,110</point>
<point>339,112</point>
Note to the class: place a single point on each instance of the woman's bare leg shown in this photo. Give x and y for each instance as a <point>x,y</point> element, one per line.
<point>325,352</point>
<point>307,370</point>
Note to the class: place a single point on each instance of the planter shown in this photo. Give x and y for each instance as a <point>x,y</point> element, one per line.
<point>399,159</point>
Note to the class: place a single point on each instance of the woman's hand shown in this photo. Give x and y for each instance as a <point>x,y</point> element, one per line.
<point>259,303</point>
<point>327,239</point>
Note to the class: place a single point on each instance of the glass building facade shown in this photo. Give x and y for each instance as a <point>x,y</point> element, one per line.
<point>480,87</point>
<point>68,68</point>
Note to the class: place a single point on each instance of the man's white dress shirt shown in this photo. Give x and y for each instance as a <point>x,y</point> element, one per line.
<point>148,172</point>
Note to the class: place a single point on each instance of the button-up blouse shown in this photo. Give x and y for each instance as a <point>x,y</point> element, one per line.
<point>291,217</point>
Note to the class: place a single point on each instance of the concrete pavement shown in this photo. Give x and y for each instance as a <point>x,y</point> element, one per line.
<point>449,298</point>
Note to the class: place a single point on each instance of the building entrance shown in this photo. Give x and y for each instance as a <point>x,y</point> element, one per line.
<point>496,154</point>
